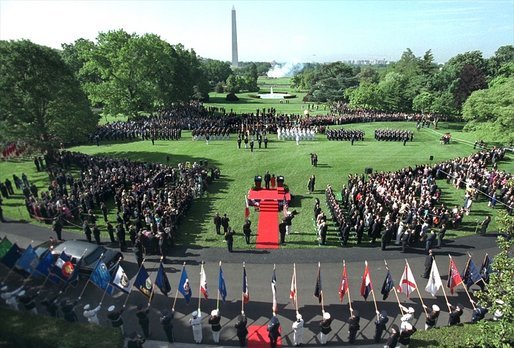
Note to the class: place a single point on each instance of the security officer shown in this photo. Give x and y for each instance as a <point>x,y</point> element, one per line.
<point>241,329</point>
<point>167,323</point>
<point>142,318</point>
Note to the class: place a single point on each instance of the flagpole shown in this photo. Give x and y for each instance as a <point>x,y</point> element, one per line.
<point>218,295</point>
<point>200,287</point>
<point>442,286</point>
<point>153,285</point>
<point>482,279</point>
<point>132,286</point>
<point>349,297</point>
<point>295,288</point>
<point>321,288</point>
<point>465,289</point>
<point>372,290</point>
<point>419,294</point>
<point>88,279</point>
<point>394,288</point>
<point>176,292</point>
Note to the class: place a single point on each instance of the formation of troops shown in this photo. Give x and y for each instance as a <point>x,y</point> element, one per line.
<point>345,134</point>
<point>394,135</point>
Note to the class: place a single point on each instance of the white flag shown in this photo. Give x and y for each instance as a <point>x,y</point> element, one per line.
<point>203,283</point>
<point>121,280</point>
<point>434,281</point>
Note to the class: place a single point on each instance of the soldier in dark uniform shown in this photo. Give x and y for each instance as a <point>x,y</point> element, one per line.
<point>478,313</point>
<point>274,330</point>
<point>455,314</point>
<point>167,323</point>
<point>239,141</point>
<point>139,251</point>
<point>265,141</point>
<point>57,227</point>
<point>217,223</point>
<point>380,325</point>
<point>103,208</point>
<point>353,326</point>
<point>87,231</point>
<point>96,234</point>
<point>282,230</point>
<point>68,310</point>
<point>432,316</point>
<point>114,316</point>
<point>51,304</point>
<point>120,233</point>
<point>267,179</point>
<point>136,341</point>
<point>251,145</point>
<point>241,329</point>
<point>247,231</point>
<point>394,335</point>
<point>224,222</point>
<point>214,321</point>
<point>142,318</point>
<point>110,231</point>
<point>325,327</point>
<point>428,264</point>
<point>229,238</point>
<point>405,334</point>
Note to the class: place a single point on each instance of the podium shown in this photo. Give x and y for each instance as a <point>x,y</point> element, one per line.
<point>258,182</point>
<point>280,181</point>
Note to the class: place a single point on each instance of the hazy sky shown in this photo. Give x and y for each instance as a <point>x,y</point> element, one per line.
<point>285,31</point>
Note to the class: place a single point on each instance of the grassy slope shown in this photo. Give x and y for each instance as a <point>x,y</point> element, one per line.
<point>238,167</point>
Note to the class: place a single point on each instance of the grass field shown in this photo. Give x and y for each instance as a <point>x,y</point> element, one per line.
<point>239,166</point>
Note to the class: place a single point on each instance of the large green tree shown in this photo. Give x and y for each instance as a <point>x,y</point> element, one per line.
<point>41,101</point>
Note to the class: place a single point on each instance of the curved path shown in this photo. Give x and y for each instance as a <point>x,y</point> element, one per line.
<point>259,265</point>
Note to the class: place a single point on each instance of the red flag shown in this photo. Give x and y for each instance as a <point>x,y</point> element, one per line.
<point>292,292</point>
<point>343,287</point>
<point>454,277</point>
<point>366,286</point>
<point>203,283</point>
<point>407,281</point>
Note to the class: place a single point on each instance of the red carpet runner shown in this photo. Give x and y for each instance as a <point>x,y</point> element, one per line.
<point>258,337</point>
<point>267,228</point>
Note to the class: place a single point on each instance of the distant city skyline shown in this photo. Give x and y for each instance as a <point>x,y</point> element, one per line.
<point>282,31</point>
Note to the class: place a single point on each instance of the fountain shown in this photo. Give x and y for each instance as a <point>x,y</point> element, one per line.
<point>272,95</point>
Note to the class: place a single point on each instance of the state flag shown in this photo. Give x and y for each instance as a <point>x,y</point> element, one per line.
<point>46,261</point>
<point>121,280</point>
<point>161,281</point>
<point>387,286</point>
<point>366,286</point>
<point>293,290</point>
<point>434,280</point>
<point>28,260</point>
<point>203,283</point>
<point>246,290</point>
<point>343,287</point>
<point>12,255</point>
<point>454,278</point>
<point>471,274</point>
<point>143,283</point>
<point>102,278</point>
<point>485,269</point>
<point>61,269</point>
<point>318,290</point>
<point>274,290</point>
<point>407,281</point>
<point>183,286</point>
<point>222,288</point>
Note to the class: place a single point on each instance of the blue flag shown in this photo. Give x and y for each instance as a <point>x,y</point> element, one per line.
<point>12,256</point>
<point>162,281</point>
<point>222,288</point>
<point>486,268</point>
<point>471,274</point>
<point>28,261</point>
<point>184,287</point>
<point>61,269</point>
<point>387,286</point>
<point>45,263</point>
<point>143,282</point>
<point>102,278</point>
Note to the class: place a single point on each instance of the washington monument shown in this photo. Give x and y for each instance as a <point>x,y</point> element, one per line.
<point>235,62</point>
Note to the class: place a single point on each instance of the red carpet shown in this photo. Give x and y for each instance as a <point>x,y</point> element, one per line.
<point>258,337</point>
<point>267,228</point>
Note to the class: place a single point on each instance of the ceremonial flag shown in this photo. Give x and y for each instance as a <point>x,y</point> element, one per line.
<point>28,260</point>
<point>246,291</point>
<point>184,287</point>
<point>454,278</point>
<point>471,274</point>
<point>343,287</point>
<point>318,291</point>
<point>274,290</point>
<point>45,263</point>
<point>61,269</point>
<point>162,282</point>
<point>284,206</point>
<point>366,286</point>
<point>387,286</point>
<point>121,280</point>
<point>222,288</point>
<point>143,283</point>
<point>102,278</point>
<point>203,283</point>
<point>407,281</point>
<point>12,255</point>
<point>434,280</point>
<point>292,292</point>
<point>485,270</point>
<point>5,245</point>
<point>247,209</point>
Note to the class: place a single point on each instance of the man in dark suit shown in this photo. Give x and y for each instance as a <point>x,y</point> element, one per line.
<point>241,329</point>
<point>224,222</point>
<point>217,223</point>
<point>267,179</point>
<point>274,330</point>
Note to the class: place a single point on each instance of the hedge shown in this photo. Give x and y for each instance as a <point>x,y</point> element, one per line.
<point>23,329</point>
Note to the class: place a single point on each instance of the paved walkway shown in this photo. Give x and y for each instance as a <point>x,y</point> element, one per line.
<point>259,265</point>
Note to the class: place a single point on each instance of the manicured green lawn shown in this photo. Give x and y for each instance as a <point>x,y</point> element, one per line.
<point>239,166</point>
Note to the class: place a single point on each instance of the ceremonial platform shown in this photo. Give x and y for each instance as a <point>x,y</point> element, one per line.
<point>268,203</point>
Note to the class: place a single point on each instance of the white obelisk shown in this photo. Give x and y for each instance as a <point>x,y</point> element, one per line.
<point>235,62</point>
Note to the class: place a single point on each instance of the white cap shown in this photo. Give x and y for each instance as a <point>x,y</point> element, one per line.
<point>86,307</point>
<point>407,326</point>
<point>21,293</point>
<point>436,308</point>
<point>298,316</point>
<point>326,315</point>
<point>214,312</point>
<point>410,310</point>
<point>195,314</point>
<point>111,308</point>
